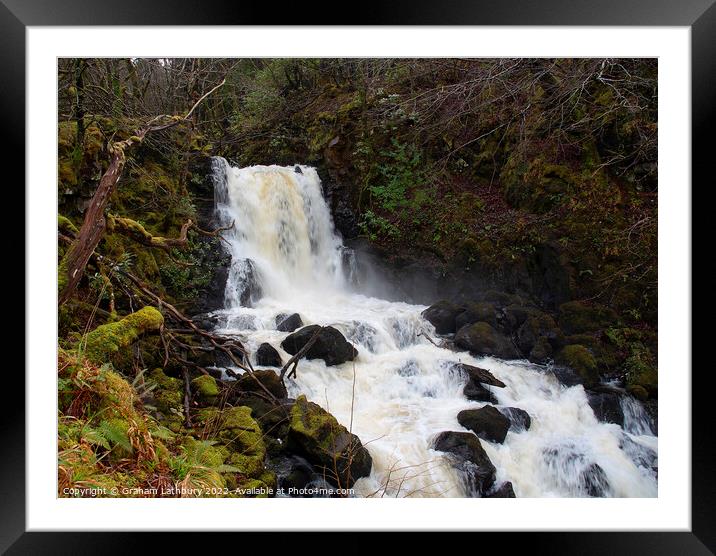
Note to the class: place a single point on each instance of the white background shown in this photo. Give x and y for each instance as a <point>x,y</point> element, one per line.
<point>670,511</point>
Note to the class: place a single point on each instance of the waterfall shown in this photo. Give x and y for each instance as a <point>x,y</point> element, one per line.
<point>402,390</point>
<point>282,242</point>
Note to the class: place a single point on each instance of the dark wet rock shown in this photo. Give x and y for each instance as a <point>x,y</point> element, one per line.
<point>476,374</point>
<point>442,316</point>
<point>641,455</point>
<point>520,420</point>
<point>515,315</point>
<point>566,376</point>
<point>505,490</point>
<point>268,356</point>
<point>482,339</point>
<point>483,311</point>
<point>580,359</point>
<point>336,453</point>
<point>576,317</point>
<point>487,423</point>
<point>606,405</point>
<point>470,458</point>
<point>267,378</point>
<point>288,323</point>
<point>297,477</point>
<point>248,283</point>
<point>330,346</point>
<point>595,481</point>
<point>206,321</point>
<point>216,372</point>
<point>476,392</point>
<point>297,169</point>
<point>223,360</point>
<point>499,298</point>
<point>576,472</point>
<point>209,254</point>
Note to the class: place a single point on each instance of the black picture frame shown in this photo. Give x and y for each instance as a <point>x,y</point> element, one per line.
<point>699,15</point>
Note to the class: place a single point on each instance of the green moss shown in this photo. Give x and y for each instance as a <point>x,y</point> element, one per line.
<point>311,421</point>
<point>639,392</point>
<point>205,386</point>
<point>641,369</point>
<point>62,274</point>
<point>168,399</point>
<point>108,339</point>
<point>66,226</point>
<point>236,429</point>
<point>581,360</point>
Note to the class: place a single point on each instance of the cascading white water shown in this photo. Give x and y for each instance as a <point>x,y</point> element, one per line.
<point>402,390</point>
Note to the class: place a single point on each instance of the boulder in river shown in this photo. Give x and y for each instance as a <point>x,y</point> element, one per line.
<point>331,345</point>
<point>267,356</point>
<point>470,457</point>
<point>335,452</point>
<point>505,490</point>
<point>580,359</point>
<point>288,323</point>
<point>482,339</point>
<point>267,378</point>
<point>206,321</point>
<point>442,316</point>
<point>483,376</point>
<point>476,392</point>
<point>487,423</point>
<point>520,420</point>
<point>482,311</point>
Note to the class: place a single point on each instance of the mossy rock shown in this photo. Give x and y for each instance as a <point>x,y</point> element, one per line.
<point>641,371</point>
<point>236,429</point>
<point>639,392</point>
<point>577,318</point>
<point>316,435</point>
<point>168,399</point>
<point>538,325</point>
<point>580,360</point>
<point>107,340</point>
<point>482,339</point>
<point>205,388</point>
<point>66,226</point>
<point>204,453</point>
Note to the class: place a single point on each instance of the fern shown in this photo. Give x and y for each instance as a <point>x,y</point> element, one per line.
<point>115,434</point>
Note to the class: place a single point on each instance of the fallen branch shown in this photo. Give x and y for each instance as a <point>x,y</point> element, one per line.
<point>136,232</point>
<point>294,360</point>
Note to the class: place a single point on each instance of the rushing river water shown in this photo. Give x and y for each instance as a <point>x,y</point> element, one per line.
<point>402,390</point>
